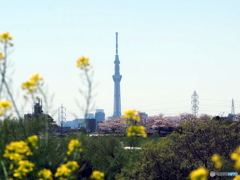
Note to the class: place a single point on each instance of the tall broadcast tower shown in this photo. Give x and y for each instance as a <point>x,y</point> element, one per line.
<point>117,78</point>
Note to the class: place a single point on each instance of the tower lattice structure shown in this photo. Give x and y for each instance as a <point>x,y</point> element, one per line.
<point>233,111</point>
<point>195,103</point>
<point>117,78</point>
<point>61,116</point>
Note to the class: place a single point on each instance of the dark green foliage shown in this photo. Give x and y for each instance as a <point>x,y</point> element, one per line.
<point>173,157</point>
<point>190,147</point>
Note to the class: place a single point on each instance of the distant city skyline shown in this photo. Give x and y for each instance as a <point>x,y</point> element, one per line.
<point>169,49</point>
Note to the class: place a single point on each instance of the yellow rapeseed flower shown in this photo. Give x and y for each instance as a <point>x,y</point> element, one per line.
<point>97,175</point>
<point>199,174</point>
<point>74,145</point>
<point>24,168</point>
<point>5,36</point>
<point>217,161</point>
<point>218,164</point>
<point>236,177</point>
<point>67,169</point>
<point>236,156</point>
<point>131,114</point>
<point>33,141</point>
<point>216,158</point>
<point>2,56</point>
<point>237,164</point>
<point>45,174</point>
<point>5,104</point>
<point>29,85</point>
<point>36,78</point>
<point>83,62</point>
<point>136,130</point>
<point>32,83</point>
<point>17,151</point>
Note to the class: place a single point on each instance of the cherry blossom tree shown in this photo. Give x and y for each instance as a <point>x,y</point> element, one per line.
<point>111,124</point>
<point>203,117</point>
<point>159,123</point>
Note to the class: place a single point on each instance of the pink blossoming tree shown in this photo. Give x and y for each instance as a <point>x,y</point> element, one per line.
<point>159,123</point>
<point>111,124</point>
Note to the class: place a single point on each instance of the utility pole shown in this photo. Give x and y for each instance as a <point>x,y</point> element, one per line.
<point>195,103</point>
<point>61,116</point>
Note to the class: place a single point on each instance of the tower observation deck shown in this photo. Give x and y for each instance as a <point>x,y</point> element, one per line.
<point>117,78</point>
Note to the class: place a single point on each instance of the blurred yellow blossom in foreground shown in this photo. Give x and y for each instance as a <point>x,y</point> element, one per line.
<point>236,156</point>
<point>17,151</point>
<point>24,167</point>
<point>131,114</point>
<point>4,105</point>
<point>199,174</point>
<point>6,36</point>
<point>33,141</point>
<point>1,56</point>
<point>136,130</point>
<point>217,161</point>
<point>45,174</point>
<point>97,175</point>
<point>32,83</point>
<point>83,63</point>
<point>74,145</point>
<point>67,169</point>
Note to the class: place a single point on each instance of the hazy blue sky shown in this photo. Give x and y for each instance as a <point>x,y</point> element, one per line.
<point>167,50</point>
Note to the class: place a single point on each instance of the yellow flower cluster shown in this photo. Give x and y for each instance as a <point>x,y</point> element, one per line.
<point>33,141</point>
<point>32,83</point>
<point>74,145</point>
<point>132,118</point>
<point>236,177</point>
<point>199,174</point>
<point>45,174</point>
<point>1,56</point>
<point>17,151</point>
<point>136,130</point>
<point>131,114</point>
<point>83,63</point>
<point>67,169</point>
<point>4,105</point>
<point>236,157</point>
<point>97,175</point>
<point>217,161</point>
<point>24,167</point>
<point>5,38</point>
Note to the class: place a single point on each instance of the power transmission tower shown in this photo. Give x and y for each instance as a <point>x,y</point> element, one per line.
<point>61,116</point>
<point>195,103</point>
<point>233,111</point>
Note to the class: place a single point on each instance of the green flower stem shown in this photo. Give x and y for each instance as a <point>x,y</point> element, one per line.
<point>88,95</point>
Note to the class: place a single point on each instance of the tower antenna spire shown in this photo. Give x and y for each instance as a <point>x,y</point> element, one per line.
<point>116,43</point>
<point>117,78</point>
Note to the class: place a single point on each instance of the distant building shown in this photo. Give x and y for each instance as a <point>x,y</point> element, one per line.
<point>37,113</point>
<point>143,116</point>
<point>90,116</point>
<point>90,125</point>
<point>99,116</point>
<point>74,124</point>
